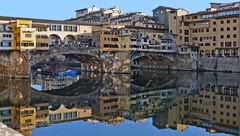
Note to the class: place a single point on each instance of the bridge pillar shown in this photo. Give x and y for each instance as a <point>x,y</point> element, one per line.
<point>15,92</point>
<point>120,62</point>
<point>14,64</point>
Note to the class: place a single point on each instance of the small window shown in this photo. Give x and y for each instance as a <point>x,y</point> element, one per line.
<point>28,35</point>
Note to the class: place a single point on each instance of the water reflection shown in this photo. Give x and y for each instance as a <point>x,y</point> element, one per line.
<point>171,99</point>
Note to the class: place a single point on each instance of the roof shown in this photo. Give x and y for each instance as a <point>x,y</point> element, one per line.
<point>164,7</point>
<point>45,20</point>
<point>210,12</point>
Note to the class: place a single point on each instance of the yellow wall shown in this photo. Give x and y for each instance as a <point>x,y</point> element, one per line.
<point>24,35</point>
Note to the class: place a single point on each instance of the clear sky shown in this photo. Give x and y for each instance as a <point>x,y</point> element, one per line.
<point>64,9</point>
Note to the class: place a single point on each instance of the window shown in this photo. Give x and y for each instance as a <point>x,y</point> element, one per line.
<point>27,44</point>
<point>5,112</point>
<point>207,44</point>
<point>228,28</point>
<point>214,23</point>
<point>74,28</point>
<point>222,22</point>
<point>234,36</point>
<point>59,28</point>
<point>222,44</point>
<point>234,28</point>
<point>5,44</point>
<point>28,121</point>
<point>28,35</point>
<point>234,20</point>
<point>234,115</point>
<point>70,28</point>
<point>228,36</point>
<point>7,36</point>
<point>221,105</point>
<point>228,44</point>
<point>214,38</point>
<point>65,28</point>
<point>53,28</point>
<point>214,29</point>
<point>222,36</point>
<point>234,44</point>
<point>186,32</point>
<point>222,29</point>
<point>228,21</point>
<point>221,113</point>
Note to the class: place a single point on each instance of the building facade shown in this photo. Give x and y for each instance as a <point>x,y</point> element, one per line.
<point>215,30</point>
<point>29,33</point>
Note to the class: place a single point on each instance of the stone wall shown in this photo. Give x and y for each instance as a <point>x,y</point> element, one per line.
<point>16,66</point>
<point>219,64</point>
<point>119,61</point>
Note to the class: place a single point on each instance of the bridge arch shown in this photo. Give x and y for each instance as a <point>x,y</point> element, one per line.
<point>55,39</point>
<point>69,39</point>
<point>88,58</point>
<point>152,60</point>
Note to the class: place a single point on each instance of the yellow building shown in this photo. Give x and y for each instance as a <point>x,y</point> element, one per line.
<point>26,119</point>
<point>62,113</point>
<point>24,35</point>
<point>114,105</point>
<point>215,30</point>
<point>112,38</point>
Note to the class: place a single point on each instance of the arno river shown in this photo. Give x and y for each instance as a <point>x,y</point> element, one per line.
<point>144,103</point>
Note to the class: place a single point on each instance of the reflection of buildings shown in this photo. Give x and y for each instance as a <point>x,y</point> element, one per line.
<point>42,114</point>
<point>215,108</point>
<point>62,113</point>
<point>7,115</point>
<point>112,108</point>
<point>25,119</point>
<point>173,100</point>
<point>146,104</point>
<point>20,118</point>
<point>51,83</point>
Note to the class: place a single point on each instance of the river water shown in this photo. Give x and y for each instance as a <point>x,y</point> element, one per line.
<point>143,103</point>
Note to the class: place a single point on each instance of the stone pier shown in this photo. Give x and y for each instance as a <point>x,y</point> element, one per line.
<point>14,64</point>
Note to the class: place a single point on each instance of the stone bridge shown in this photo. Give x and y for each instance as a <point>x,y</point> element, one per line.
<point>90,58</point>
<point>18,63</point>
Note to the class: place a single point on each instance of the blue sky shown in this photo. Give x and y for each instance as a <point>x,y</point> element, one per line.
<point>63,9</point>
<point>128,128</point>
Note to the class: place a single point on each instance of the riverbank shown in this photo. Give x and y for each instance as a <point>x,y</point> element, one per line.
<point>6,131</point>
